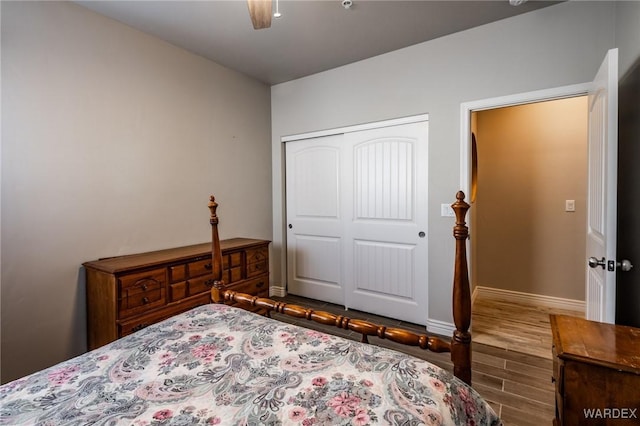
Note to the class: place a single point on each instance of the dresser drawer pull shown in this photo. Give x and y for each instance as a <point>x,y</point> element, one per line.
<point>144,287</point>
<point>145,300</point>
<point>260,284</point>
<point>210,282</point>
<point>208,266</point>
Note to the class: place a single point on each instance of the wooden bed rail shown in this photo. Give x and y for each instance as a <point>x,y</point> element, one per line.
<point>460,346</point>
<point>366,328</point>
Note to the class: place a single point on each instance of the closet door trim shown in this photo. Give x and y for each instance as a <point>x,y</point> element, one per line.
<point>357,127</point>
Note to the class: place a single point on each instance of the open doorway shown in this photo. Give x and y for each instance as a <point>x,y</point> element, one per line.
<point>528,220</point>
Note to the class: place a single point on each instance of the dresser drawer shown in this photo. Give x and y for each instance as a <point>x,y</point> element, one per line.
<point>200,285</point>
<point>257,287</point>
<point>199,268</point>
<point>254,269</point>
<point>256,255</point>
<point>143,321</point>
<point>232,260</point>
<point>141,280</point>
<point>177,291</point>
<point>141,291</point>
<point>177,273</point>
<point>232,275</point>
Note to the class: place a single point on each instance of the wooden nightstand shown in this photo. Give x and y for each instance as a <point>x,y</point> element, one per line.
<point>596,370</point>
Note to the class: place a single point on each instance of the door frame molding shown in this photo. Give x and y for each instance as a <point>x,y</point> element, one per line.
<point>357,127</point>
<point>466,108</point>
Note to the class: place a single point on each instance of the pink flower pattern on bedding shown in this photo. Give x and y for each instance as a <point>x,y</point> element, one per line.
<point>222,365</point>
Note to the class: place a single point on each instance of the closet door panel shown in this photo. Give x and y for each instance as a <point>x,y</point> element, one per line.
<point>314,220</point>
<point>384,250</point>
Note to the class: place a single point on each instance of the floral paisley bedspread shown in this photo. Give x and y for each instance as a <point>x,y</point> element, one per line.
<point>221,365</point>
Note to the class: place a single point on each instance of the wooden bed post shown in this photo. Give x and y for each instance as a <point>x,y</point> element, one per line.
<point>217,291</point>
<point>461,343</point>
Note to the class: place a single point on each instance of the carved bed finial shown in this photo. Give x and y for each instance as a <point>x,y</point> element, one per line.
<point>213,207</point>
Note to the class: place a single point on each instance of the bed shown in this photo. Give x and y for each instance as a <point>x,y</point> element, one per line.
<point>222,364</point>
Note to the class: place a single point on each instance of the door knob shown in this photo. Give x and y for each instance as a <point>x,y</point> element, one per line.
<point>625,265</point>
<point>594,262</point>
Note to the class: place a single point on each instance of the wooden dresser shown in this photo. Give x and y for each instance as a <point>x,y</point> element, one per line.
<point>596,370</point>
<point>128,293</point>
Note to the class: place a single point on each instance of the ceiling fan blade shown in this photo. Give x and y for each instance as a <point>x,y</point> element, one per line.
<point>260,12</point>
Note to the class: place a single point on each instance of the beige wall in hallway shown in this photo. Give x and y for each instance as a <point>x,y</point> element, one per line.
<point>531,158</point>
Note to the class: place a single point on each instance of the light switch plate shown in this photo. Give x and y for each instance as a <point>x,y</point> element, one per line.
<point>446,211</point>
<point>570,205</point>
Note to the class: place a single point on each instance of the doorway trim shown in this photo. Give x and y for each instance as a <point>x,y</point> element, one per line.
<point>466,108</point>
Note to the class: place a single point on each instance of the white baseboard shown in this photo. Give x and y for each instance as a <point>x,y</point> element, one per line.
<point>442,328</point>
<point>528,298</point>
<point>277,291</point>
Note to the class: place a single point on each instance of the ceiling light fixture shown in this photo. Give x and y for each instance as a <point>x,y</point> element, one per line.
<point>347,4</point>
<point>277,14</point>
<point>516,2</point>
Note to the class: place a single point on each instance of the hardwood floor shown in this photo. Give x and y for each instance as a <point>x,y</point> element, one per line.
<point>514,326</point>
<point>516,384</point>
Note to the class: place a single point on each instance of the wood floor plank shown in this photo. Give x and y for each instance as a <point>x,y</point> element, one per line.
<point>515,401</point>
<point>544,396</point>
<point>513,356</point>
<point>515,376</point>
<point>515,417</point>
<point>514,326</point>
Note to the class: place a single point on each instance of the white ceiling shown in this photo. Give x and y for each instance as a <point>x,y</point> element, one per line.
<point>311,36</point>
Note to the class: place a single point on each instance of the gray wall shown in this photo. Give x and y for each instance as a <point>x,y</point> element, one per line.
<point>112,141</point>
<point>555,46</point>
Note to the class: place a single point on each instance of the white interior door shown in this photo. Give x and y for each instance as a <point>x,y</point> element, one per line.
<point>314,218</point>
<point>386,218</point>
<point>602,197</point>
<point>357,220</point>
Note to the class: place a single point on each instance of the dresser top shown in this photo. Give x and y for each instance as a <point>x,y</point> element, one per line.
<point>125,263</point>
<point>607,345</point>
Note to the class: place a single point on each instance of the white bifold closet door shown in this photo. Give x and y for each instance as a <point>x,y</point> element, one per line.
<point>357,220</point>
